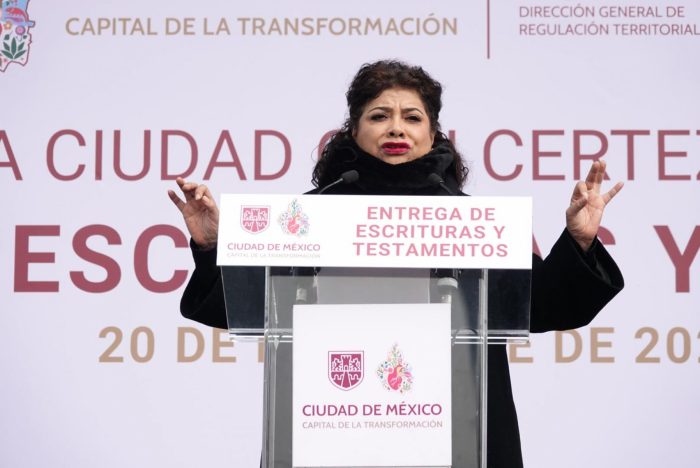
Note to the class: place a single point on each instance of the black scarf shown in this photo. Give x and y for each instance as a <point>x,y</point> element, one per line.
<point>380,178</point>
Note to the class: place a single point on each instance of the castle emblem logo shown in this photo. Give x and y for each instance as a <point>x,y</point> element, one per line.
<point>255,219</point>
<point>294,221</point>
<point>346,368</point>
<point>395,373</point>
<point>15,38</point>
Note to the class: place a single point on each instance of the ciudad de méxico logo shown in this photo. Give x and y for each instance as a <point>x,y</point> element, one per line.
<point>346,370</point>
<point>293,221</point>
<point>14,33</point>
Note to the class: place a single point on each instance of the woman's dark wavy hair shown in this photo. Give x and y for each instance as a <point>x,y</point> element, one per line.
<point>369,82</point>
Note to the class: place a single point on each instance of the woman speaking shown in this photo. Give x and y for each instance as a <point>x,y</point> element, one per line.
<point>392,139</point>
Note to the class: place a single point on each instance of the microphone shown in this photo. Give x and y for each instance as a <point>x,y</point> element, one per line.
<point>447,283</point>
<point>435,179</point>
<point>347,177</point>
<point>305,279</point>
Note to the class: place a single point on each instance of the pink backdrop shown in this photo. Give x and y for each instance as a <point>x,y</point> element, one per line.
<point>103,111</point>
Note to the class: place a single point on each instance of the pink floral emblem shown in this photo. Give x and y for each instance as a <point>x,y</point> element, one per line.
<point>294,221</point>
<point>395,373</point>
<point>346,368</point>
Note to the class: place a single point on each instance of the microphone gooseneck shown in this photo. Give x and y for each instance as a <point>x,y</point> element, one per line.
<point>347,177</point>
<point>305,275</point>
<point>448,279</point>
<point>435,179</point>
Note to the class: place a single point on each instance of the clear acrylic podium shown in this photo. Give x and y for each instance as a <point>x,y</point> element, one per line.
<point>487,306</point>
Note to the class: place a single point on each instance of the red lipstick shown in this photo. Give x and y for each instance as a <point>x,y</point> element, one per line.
<point>395,147</point>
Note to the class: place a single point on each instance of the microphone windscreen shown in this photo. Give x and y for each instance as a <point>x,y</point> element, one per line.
<point>434,179</point>
<point>350,177</point>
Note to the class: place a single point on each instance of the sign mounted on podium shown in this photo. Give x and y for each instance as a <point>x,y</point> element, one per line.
<point>374,231</point>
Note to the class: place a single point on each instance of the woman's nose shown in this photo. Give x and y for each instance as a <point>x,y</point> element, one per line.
<point>396,129</point>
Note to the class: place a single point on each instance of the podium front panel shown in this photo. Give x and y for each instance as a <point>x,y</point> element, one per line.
<point>485,306</point>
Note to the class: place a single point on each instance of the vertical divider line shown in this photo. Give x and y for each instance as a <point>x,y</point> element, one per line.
<point>488,29</point>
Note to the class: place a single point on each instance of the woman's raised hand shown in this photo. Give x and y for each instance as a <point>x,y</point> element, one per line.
<point>587,205</point>
<point>199,211</point>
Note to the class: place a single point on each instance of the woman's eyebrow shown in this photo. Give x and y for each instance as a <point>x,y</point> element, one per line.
<point>381,108</point>
<point>389,109</point>
<point>411,109</point>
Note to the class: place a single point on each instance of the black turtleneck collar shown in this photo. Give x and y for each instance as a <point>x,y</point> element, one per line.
<point>380,178</point>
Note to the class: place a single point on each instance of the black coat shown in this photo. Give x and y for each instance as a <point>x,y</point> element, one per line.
<point>569,288</point>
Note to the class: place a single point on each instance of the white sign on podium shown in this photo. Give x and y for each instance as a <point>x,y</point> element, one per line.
<point>368,390</point>
<point>375,231</point>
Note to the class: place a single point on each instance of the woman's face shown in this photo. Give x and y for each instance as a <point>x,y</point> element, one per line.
<point>394,127</point>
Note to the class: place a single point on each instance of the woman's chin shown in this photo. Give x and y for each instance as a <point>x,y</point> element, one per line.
<point>395,158</point>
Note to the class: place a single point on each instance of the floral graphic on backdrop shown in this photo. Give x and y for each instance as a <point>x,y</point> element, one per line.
<point>14,33</point>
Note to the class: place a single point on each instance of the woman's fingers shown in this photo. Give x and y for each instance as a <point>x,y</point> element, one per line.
<point>194,193</point>
<point>579,198</point>
<point>189,189</point>
<point>612,192</point>
<point>595,176</point>
<point>200,191</point>
<point>580,191</point>
<point>176,200</point>
<point>208,202</point>
<point>601,172</point>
